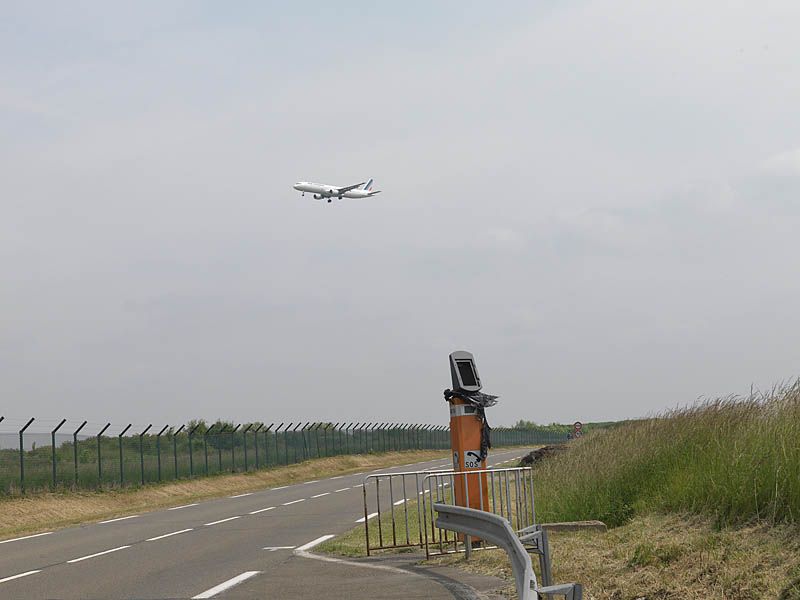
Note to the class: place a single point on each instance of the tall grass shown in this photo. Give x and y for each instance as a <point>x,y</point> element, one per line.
<point>736,459</point>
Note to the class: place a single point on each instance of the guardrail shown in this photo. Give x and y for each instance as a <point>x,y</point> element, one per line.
<point>497,530</point>
<point>400,506</point>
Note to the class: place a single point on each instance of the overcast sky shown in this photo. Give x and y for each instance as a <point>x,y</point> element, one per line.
<point>600,200</point>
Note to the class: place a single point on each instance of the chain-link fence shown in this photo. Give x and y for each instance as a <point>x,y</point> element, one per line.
<point>52,454</point>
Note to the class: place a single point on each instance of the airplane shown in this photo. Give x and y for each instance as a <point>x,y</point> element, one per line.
<point>322,191</point>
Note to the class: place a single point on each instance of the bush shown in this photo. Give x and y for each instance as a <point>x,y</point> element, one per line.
<point>737,459</point>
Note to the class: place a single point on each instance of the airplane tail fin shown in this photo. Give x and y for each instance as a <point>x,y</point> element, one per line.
<point>368,185</point>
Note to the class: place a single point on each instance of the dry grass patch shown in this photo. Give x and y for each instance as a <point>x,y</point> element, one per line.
<point>23,515</point>
<point>667,558</point>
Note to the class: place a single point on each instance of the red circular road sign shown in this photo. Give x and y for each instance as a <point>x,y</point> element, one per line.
<point>578,425</point>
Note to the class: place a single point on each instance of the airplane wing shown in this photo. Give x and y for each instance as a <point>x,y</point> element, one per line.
<point>347,188</point>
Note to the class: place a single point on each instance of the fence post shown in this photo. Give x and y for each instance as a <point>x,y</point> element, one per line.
<point>100,455</point>
<point>53,447</point>
<point>205,446</point>
<point>277,452</point>
<point>75,449</point>
<point>333,439</point>
<point>141,450</point>
<point>305,445</point>
<point>244,434</point>
<point>294,443</point>
<point>286,444</point>
<point>175,448</point>
<point>255,439</point>
<point>266,445</point>
<point>22,456</point>
<point>233,445</point>
<point>121,461</point>
<point>158,450</point>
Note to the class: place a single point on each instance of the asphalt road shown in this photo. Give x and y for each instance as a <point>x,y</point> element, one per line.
<point>240,546</point>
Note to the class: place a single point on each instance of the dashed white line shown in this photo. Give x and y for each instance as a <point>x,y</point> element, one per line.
<point>276,548</point>
<point>241,495</point>
<point>222,521</point>
<point>341,490</point>
<point>27,537</point>
<point>166,535</point>
<point>313,543</point>
<point>312,481</point>
<point>321,495</point>
<point>337,477</point>
<point>25,574</point>
<point>283,487</point>
<point>96,554</point>
<point>260,510</point>
<point>226,585</point>
<point>399,502</point>
<point>119,519</point>
<point>369,516</point>
<point>183,506</point>
<point>294,502</point>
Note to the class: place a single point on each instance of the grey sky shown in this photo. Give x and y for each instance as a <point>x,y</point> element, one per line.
<point>599,199</point>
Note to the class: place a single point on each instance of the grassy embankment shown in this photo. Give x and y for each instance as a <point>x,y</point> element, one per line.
<point>704,501</point>
<point>48,510</point>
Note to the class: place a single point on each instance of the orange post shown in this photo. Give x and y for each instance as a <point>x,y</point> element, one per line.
<point>465,440</point>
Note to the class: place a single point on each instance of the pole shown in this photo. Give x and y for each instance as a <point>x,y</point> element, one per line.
<point>305,446</point>
<point>244,435</point>
<point>233,446</point>
<point>53,448</point>
<point>141,450</point>
<point>75,449</point>
<point>121,463</point>
<point>175,449</point>
<point>191,451</point>
<point>277,452</point>
<point>22,456</point>
<point>205,445</point>
<point>325,437</point>
<point>255,439</point>
<point>294,444</point>
<point>219,448</point>
<point>158,449</point>
<point>100,454</point>
<point>286,444</point>
<point>266,445</point>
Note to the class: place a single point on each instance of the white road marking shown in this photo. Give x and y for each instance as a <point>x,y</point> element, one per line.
<point>337,477</point>
<point>283,487</point>
<point>166,535</point>
<point>312,543</point>
<point>119,519</point>
<point>226,585</point>
<point>341,490</point>
<point>222,521</point>
<point>356,487</point>
<point>369,516</point>
<point>25,574</point>
<point>241,495</point>
<point>361,473</point>
<point>27,537</point>
<point>399,502</point>
<point>294,502</point>
<point>260,510</point>
<point>321,495</point>
<point>275,548</point>
<point>184,506</point>
<point>313,481</point>
<point>76,560</point>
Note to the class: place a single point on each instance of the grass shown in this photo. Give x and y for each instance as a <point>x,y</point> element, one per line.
<point>734,460</point>
<point>44,511</point>
<point>666,557</point>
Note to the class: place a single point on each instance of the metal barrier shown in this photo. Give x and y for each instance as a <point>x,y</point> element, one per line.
<point>510,495</point>
<point>401,520</point>
<point>497,530</point>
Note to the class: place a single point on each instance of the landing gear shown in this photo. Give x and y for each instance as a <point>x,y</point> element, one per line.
<point>329,200</point>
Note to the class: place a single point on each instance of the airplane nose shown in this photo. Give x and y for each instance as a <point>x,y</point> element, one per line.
<point>296,186</point>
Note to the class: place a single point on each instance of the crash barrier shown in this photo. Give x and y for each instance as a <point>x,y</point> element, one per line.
<point>398,507</point>
<point>40,454</point>
<point>497,530</point>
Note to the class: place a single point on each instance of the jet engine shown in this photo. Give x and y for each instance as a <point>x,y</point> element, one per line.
<point>318,197</point>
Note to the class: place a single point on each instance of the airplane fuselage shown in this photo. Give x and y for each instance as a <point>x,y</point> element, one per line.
<point>322,191</point>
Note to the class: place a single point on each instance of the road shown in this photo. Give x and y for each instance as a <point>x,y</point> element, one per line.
<point>240,546</point>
